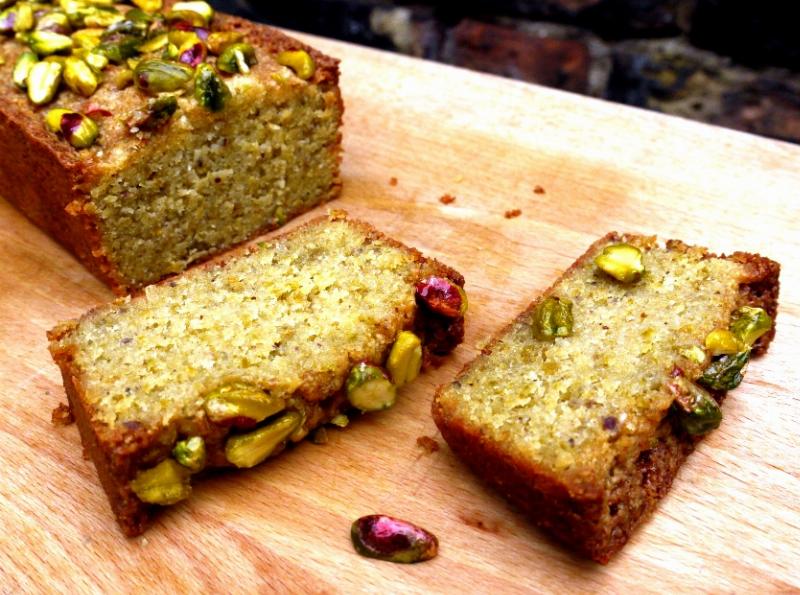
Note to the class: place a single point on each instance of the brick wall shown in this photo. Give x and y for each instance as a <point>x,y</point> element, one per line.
<point>729,62</point>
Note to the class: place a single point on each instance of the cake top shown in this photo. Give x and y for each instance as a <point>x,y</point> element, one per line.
<point>292,313</point>
<point>102,76</point>
<point>574,403</point>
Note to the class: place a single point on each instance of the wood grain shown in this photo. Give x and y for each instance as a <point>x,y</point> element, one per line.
<point>732,520</point>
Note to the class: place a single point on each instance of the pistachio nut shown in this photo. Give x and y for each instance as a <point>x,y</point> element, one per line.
<point>57,22</point>
<point>340,420</point>
<point>210,90</point>
<point>154,43</point>
<point>79,130</point>
<point>219,40</point>
<point>722,342</point>
<point>17,19</point>
<point>621,261</point>
<point>299,61</point>
<point>87,39</point>
<point>696,409</point>
<point>45,43</point>
<point>203,9</point>
<point>248,450</point>
<point>369,388</point>
<point>180,38</point>
<point>22,68</point>
<point>97,60</point>
<point>394,540</point>
<point>192,54</point>
<point>170,52</point>
<point>157,114</point>
<point>79,77</point>
<point>405,358</point>
<point>165,484</point>
<point>725,372</point>
<point>126,28</point>
<point>149,5</point>
<point>191,453</point>
<point>43,81</point>
<point>102,16</point>
<point>158,76</point>
<point>119,50</point>
<point>237,58</point>
<point>442,296</point>
<point>241,400</point>
<point>122,78</point>
<point>552,318</point>
<point>750,323</point>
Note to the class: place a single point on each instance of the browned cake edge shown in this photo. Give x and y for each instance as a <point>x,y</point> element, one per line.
<point>119,453</point>
<point>43,178</point>
<point>571,512</point>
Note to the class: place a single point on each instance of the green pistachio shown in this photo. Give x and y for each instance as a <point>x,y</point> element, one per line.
<point>56,22</point>
<point>552,318</point>
<point>369,388</point>
<point>45,43</point>
<point>157,114</point>
<point>149,5</point>
<point>726,372</point>
<point>750,323</point>
<point>723,342</point>
<point>697,410</point>
<point>87,39</point>
<point>170,52</point>
<point>164,484</point>
<point>158,76</point>
<point>101,17</point>
<point>237,58</point>
<point>340,420</point>
<point>79,76</point>
<point>203,9</point>
<point>43,81</point>
<point>238,399</point>
<point>18,19</point>
<point>210,90</point>
<point>621,261</point>
<point>121,49</point>
<point>405,358</point>
<point>299,61</point>
<point>22,68</point>
<point>219,40</point>
<point>97,60</point>
<point>79,130</point>
<point>154,44</point>
<point>191,453</point>
<point>248,450</point>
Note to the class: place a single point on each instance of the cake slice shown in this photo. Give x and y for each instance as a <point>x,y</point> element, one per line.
<point>144,142</point>
<point>228,363</point>
<point>583,409</point>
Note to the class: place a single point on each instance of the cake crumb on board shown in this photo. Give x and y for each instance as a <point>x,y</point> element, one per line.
<point>392,181</point>
<point>538,189</point>
<point>428,444</point>
<point>512,213</point>
<point>62,415</point>
<point>447,199</point>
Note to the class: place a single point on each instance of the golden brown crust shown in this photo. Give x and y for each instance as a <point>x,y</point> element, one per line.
<point>582,515</point>
<point>119,452</point>
<point>46,179</point>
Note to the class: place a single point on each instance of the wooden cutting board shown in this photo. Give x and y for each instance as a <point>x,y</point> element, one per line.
<point>732,520</point>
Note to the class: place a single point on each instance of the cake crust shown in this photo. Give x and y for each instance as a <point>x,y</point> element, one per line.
<point>571,506</point>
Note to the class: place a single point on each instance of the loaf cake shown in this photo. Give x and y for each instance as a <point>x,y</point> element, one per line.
<point>583,409</point>
<point>144,141</point>
<point>227,363</point>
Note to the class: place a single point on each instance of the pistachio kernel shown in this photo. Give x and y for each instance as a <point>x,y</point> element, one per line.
<point>154,44</point>
<point>369,388</point>
<point>238,400</point>
<point>119,50</point>
<point>237,58</point>
<point>43,81</point>
<point>191,453</point>
<point>45,43</point>
<point>750,323</point>
<point>299,61</point>
<point>57,22</point>
<point>405,358</point>
<point>79,77</point>
<point>101,16</point>
<point>122,78</point>
<point>695,353</point>
<point>697,410</point>
<point>621,261</point>
<point>219,40</point>
<point>442,296</point>
<point>180,37</point>
<point>210,90</point>
<point>184,11</point>
<point>158,76</point>
<point>552,318</point>
<point>192,54</point>
<point>340,420</point>
<point>80,131</point>
<point>149,5</point>
<point>22,68</point>
<point>87,39</point>
<point>386,538</point>
<point>97,60</point>
<point>157,114</point>
<point>725,372</point>
<point>165,484</point>
<point>170,52</point>
<point>723,342</point>
<point>17,19</point>
<point>248,450</point>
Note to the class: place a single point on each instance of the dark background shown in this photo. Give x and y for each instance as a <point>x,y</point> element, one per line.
<point>733,63</point>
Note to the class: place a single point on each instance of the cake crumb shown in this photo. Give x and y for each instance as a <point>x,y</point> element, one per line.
<point>446,199</point>
<point>512,213</point>
<point>476,520</point>
<point>62,415</point>
<point>392,181</point>
<point>538,189</point>
<point>428,444</point>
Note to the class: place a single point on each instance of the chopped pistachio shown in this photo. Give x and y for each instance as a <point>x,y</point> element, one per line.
<point>442,296</point>
<point>101,17</point>
<point>248,450</point>
<point>79,76</point>
<point>158,76</point>
<point>87,39</point>
<point>726,372</point>
<point>209,89</point>
<point>694,353</point>
<point>122,78</point>
<point>722,342</point>
<point>170,52</point>
<point>200,8</point>
<point>181,38</point>
<point>45,43</point>
<point>149,5</point>
<point>154,44</point>
<point>23,17</point>
<point>79,130</point>
<point>299,61</point>
<point>369,388</point>
<point>219,40</point>
<point>22,68</point>
<point>241,400</point>
<point>621,261</point>
<point>237,58</point>
<point>552,318</point>
<point>405,358</point>
<point>750,323</point>
<point>57,22</point>
<point>97,60</point>
<point>192,54</point>
<point>191,453</point>
<point>120,50</point>
<point>698,412</point>
<point>164,484</point>
<point>158,113</point>
<point>43,81</point>
<point>340,420</point>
